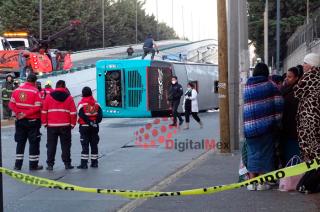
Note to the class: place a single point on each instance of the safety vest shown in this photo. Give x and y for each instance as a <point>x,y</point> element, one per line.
<point>7,90</point>
<point>90,108</point>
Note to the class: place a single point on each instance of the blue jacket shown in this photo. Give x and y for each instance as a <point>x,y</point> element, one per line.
<point>263,106</point>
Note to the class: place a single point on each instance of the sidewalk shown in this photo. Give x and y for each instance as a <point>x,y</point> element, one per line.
<point>222,169</point>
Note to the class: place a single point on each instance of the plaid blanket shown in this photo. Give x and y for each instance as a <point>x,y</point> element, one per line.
<point>263,105</point>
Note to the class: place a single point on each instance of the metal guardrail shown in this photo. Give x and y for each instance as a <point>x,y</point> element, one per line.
<point>305,34</point>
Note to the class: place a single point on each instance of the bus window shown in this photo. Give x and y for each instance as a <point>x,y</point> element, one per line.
<point>113,89</point>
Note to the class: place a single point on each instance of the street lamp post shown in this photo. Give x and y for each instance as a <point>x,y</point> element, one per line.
<point>278,38</point>
<point>308,14</point>
<point>172,13</point>
<point>40,19</point>
<point>182,22</point>
<point>103,27</point>
<point>266,33</point>
<point>136,23</point>
<point>1,182</point>
<point>157,11</point>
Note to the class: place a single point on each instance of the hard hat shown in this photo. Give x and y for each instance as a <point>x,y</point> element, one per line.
<point>48,82</point>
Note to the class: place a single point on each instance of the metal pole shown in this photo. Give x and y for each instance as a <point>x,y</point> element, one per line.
<point>172,12</point>
<point>199,30</point>
<point>1,180</point>
<point>182,23</point>
<point>233,71</point>
<point>136,21</point>
<point>40,19</point>
<point>266,33</point>
<point>308,13</point>
<point>157,11</point>
<point>278,37</point>
<point>191,27</point>
<point>103,26</point>
<point>223,76</point>
<point>244,61</point>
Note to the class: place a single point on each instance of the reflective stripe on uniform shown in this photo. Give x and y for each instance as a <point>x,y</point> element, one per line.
<point>94,156</point>
<point>84,156</point>
<point>22,104</point>
<point>59,125</point>
<point>91,114</point>
<point>25,89</point>
<point>58,110</point>
<point>19,156</point>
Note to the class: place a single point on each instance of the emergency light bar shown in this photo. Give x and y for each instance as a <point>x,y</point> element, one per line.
<point>15,34</point>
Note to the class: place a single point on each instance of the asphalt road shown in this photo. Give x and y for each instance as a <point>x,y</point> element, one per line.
<point>122,168</point>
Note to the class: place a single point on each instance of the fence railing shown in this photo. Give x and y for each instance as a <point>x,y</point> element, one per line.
<point>305,34</point>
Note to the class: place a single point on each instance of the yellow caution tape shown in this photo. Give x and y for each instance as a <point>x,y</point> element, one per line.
<point>132,194</point>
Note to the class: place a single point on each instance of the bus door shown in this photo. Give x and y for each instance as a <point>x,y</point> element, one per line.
<point>135,88</point>
<point>114,88</point>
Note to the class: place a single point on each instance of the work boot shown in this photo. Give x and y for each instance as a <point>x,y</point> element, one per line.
<point>201,124</point>
<point>17,168</point>
<point>181,122</point>
<point>18,165</point>
<point>68,166</point>
<point>49,168</point>
<point>186,127</point>
<point>94,163</point>
<point>83,164</point>
<point>36,168</point>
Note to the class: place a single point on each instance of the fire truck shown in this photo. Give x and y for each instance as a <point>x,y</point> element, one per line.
<point>19,49</point>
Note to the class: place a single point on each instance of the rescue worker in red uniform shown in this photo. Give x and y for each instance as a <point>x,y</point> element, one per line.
<point>26,103</point>
<point>46,90</point>
<point>90,115</point>
<point>59,115</point>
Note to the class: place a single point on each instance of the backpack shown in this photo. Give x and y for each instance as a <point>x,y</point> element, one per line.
<point>310,182</point>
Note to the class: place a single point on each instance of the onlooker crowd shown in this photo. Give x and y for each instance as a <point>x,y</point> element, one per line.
<point>282,115</point>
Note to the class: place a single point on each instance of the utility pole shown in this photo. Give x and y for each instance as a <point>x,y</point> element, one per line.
<point>40,19</point>
<point>103,26</point>
<point>223,76</point>
<point>278,38</point>
<point>157,11</point>
<point>136,21</point>
<point>266,33</point>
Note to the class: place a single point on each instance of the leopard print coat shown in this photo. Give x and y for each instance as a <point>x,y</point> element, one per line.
<point>308,116</point>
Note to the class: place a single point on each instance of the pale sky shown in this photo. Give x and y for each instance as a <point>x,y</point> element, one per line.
<point>200,17</point>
